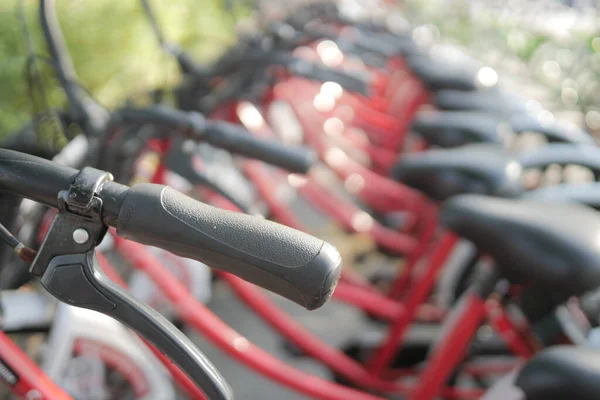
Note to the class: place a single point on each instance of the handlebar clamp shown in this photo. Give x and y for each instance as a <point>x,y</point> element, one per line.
<point>81,197</point>
<point>79,218</point>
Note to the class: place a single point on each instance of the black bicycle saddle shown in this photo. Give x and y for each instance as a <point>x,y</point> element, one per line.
<point>493,100</point>
<point>562,154</point>
<point>477,168</point>
<point>548,245</point>
<point>558,131</point>
<point>587,193</point>
<point>485,168</point>
<point>437,75</point>
<point>457,128</point>
<point>562,372</point>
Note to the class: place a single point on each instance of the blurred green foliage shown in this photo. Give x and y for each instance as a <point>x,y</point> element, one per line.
<point>559,45</point>
<point>112,45</point>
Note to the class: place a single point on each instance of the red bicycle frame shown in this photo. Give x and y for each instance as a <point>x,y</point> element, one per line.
<point>396,91</point>
<point>333,358</point>
<point>463,326</point>
<point>396,95</point>
<point>23,377</point>
<point>197,316</point>
<point>384,133</point>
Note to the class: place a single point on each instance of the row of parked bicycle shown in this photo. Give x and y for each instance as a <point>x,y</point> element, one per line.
<point>432,161</point>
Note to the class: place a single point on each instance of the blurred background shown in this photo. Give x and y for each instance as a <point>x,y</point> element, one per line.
<point>548,48</point>
<point>553,45</point>
<point>111,42</point>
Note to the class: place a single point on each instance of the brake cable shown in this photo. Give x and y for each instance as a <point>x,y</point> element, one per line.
<point>25,253</point>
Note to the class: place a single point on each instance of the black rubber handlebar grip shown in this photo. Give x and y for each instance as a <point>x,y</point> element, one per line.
<point>288,262</point>
<point>238,140</point>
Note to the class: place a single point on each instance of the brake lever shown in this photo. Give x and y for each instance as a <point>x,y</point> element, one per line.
<point>69,270</point>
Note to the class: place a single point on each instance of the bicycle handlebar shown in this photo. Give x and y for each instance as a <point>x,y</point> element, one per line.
<point>224,135</point>
<point>355,82</point>
<point>295,265</point>
<point>236,139</point>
